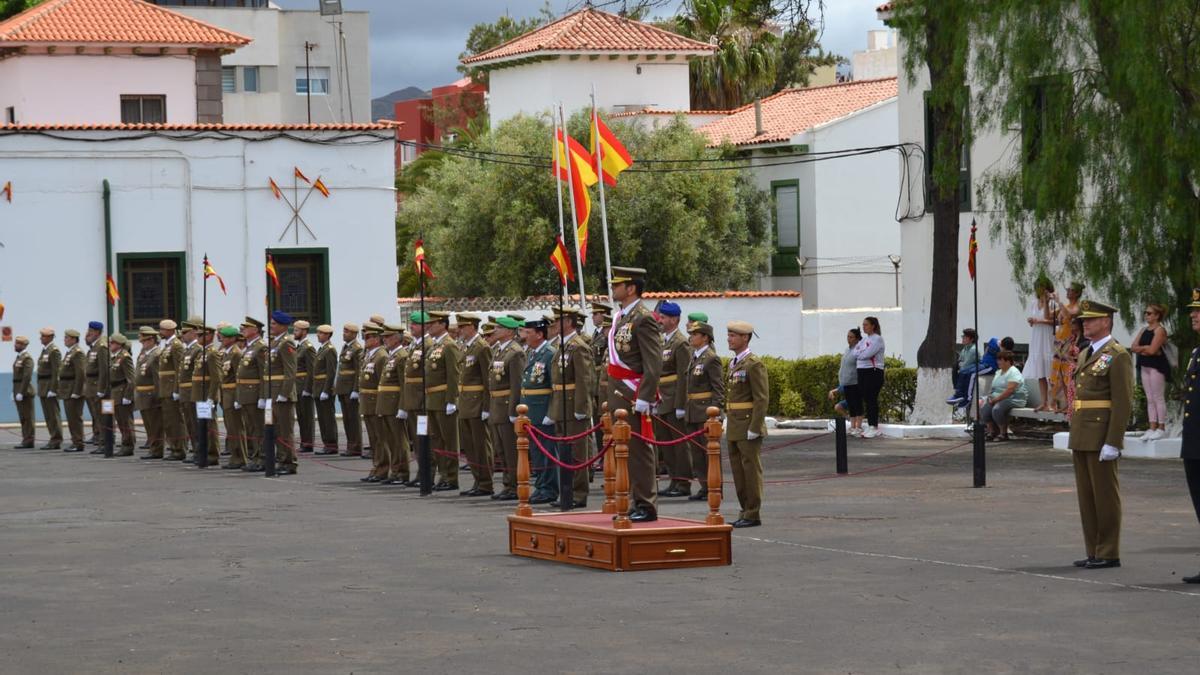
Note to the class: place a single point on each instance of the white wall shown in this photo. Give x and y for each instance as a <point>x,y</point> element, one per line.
<point>86,89</point>
<point>203,196</point>
<point>535,87</point>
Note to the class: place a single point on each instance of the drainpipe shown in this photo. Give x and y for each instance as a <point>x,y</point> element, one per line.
<point>108,255</point>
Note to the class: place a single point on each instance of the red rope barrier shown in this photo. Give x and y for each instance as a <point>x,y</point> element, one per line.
<point>563,439</point>
<point>570,467</point>
<point>678,441</point>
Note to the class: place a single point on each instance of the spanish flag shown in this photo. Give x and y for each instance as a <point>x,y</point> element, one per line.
<point>972,249</point>
<point>210,272</point>
<point>614,158</point>
<point>320,186</point>
<point>419,259</point>
<point>583,209</point>
<point>562,261</point>
<point>7,191</point>
<point>301,176</point>
<point>275,189</point>
<point>573,149</point>
<point>272,274</point>
<point>574,163</point>
<point>111,287</point>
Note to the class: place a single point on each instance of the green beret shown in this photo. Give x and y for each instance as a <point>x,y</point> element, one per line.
<point>419,317</point>
<point>698,316</point>
<point>509,322</point>
<point>229,332</point>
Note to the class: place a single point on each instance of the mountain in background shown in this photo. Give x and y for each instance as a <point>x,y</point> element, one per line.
<point>383,108</point>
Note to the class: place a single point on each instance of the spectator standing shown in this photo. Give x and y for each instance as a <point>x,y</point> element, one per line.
<point>1008,392</point>
<point>850,402</point>
<point>1041,315</point>
<point>1154,368</point>
<point>1062,371</point>
<point>868,356</point>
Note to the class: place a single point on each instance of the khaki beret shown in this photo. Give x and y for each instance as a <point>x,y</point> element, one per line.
<point>301,324</point>
<point>325,328</point>
<point>167,324</point>
<point>48,331</point>
<point>71,333</point>
<point>119,338</point>
<point>21,340</point>
<point>740,327</point>
<point>352,327</point>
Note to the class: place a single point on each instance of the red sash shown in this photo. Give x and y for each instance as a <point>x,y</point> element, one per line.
<point>623,373</point>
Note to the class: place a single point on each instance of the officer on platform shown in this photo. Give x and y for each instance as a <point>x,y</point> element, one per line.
<point>120,381</point>
<point>71,375</point>
<point>23,391</point>
<point>47,387</point>
<point>1190,450</point>
<point>747,390</point>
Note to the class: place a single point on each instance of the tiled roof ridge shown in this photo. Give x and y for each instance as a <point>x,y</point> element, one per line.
<point>30,20</point>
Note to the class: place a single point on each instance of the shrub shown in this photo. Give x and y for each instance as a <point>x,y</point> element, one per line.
<point>800,387</point>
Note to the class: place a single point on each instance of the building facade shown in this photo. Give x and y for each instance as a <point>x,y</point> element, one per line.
<point>434,119</point>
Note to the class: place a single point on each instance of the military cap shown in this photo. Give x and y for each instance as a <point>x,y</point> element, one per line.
<point>167,324</point>
<point>392,329</point>
<point>119,338</point>
<point>251,321</point>
<point>537,323</point>
<point>568,312</point>
<point>228,331</point>
<point>509,322</point>
<point>188,326</point>
<point>622,275</point>
<point>1195,298</point>
<point>193,321</point>
<point>740,327</point>
<point>371,327</point>
<point>419,317</point>
<point>48,331</point>
<point>468,317</point>
<point>352,327</point>
<point>282,318</point>
<point>487,328</point>
<point>1090,309</point>
<point>668,308</point>
<point>95,325</point>
<point>71,333</point>
<point>301,324</point>
<point>702,328</point>
<point>377,319</point>
<point>439,316</point>
<point>698,316</point>
<point>516,317</point>
<point>147,332</point>
<point>21,340</point>
<point>601,308</point>
<point>325,328</point>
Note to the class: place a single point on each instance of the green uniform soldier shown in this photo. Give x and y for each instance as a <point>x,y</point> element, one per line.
<point>47,387</point>
<point>571,374</point>
<point>474,407</point>
<point>374,361</point>
<point>23,391</point>
<point>95,384</point>
<point>672,401</point>
<point>306,409</point>
<point>1103,403</point>
<point>279,390</point>
<point>121,379</point>
<point>349,363</point>
<point>231,410</point>
<point>747,391</point>
<point>443,376</point>
<point>189,335</point>
<point>208,374</point>
<point>252,370</point>
<point>324,382</point>
<point>705,388</point>
<point>635,352</point>
<point>389,405</point>
<point>71,375</point>
<point>146,392</point>
<point>170,366</point>
<point>504,392</point>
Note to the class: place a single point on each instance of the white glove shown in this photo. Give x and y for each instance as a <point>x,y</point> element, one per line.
<point>1109,453</point>
<point>679,413</point>
<point>484,415</point>
<point>51,394</point>
<point>174,397</point>
<point>512,419</point>
<point>451,408</point>
<point>580,417</point>
<point>19,397</point>
<point>262,404</point>
<point>74,396</point>
<point>547,422</point>
<point>750,435</point>
<point>654,409</point>
<point>306,393</point>
<point>402,414</point>
<point>281,398</point>
<point>324,396</point>
<point>641,407</point>
<point>237,406</point>
<point>354,396</point>
<point>126,401</point>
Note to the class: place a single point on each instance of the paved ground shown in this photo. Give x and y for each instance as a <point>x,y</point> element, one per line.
<point>124,566</point>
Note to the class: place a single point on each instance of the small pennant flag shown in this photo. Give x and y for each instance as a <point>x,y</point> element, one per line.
<point>209,272</point>
<point>562,261</point>
<point>301,176</point>
<point>111,288</point>
<point>419,259</point>
<point>275,189</point>
<point>614,158</point>
<point>271,273</point>
<point>7,191</point>
<point>320,186</point>
<point>972,249</point>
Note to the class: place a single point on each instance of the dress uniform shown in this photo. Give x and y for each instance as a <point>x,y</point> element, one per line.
<point>536,392</point>
<point>672,402</point>
<point>47,387</point>
<point>394,467</point>
<point>473,405</point>
<point>306,408</point>
<point>170,365</point>
<point>374,362</point>
<point>1103,403</point>
<point>346,388</point>
<point>95,386</point>
<point>571,374</point>
<point>189,336</point>
<point>146,392</point>
<point>1190,448</point>
<point>325,371</point>
<point>71,376</point>
<point>705,388</point>
<point>504,394</point>
<point>443,376</point>
<point>232,411</point>
<point>279,388</point>
<point>747,391</point>
<point>601,322</point>
<point>413,400</point>
<point>121,380</point>
<point>208,374</point>
<point>23,391</point>
<point>252,369</point>
<point>635,352</point>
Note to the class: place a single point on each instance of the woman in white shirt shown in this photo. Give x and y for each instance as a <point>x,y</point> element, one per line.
<point>1040,315</point>
<point>869,359</point>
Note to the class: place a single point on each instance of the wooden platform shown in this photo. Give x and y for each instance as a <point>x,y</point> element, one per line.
<point>589,539</point>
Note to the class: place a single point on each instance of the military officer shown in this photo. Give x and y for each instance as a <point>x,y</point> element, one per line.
<point>47,387</point>
<point>71,376</point>
<point>189,336</point>
<point>1190,449</point>
<point>504,391</point>
<point>443,377</point>
<point>747,390</point>
<point>280,390</point>
<point>305,370</point>
<point>208,374</point>
<point>601,322</point>
<point>231,409</point>
<point>170,365</point>
<point>571,403</point>
<point>635,352</point>
<point>324,378</point>
<point>536,391</point>
<point>146,392</point>
<point>251,372</point>
<point>346,388</point>
<point>474,404</point>
<point>672,401</point>
<point>705,388</point>
<point>389,405</point>
<point>120,382</point>
<point>23,391</point>
<point>374,362</point>
<point>95,386</point>
<point>413,400</point>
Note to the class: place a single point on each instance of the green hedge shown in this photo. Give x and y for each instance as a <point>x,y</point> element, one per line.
<point>800,387</point>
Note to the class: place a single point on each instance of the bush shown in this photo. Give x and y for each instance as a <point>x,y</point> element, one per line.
<point>800,387</point>
<point>791,404</point>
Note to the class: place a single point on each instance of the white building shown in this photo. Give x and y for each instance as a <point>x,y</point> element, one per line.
<point>879,60</point>
<point>632,65</point>
<point>267,82</point>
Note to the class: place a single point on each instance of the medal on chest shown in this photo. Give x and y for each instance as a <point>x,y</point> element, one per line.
<point>624,338</point>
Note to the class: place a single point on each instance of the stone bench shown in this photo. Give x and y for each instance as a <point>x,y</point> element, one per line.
<point>1166,448</point>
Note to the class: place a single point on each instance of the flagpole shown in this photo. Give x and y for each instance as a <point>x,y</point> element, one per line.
<point>107,420</point>
<point>424,458</point>
<point>203,422</point>
<point>268,449</point>
<point>558,188</point>
<point>574,214</point>
<point>979,454</point>
<point>599,151</point>
<point>563,498</point>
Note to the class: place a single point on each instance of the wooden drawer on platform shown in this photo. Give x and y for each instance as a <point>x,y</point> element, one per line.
<point>677,550</point>
<point>590,551</point>
<point>531,540</point>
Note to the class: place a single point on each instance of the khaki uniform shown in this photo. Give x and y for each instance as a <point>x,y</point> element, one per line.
<point>188,398</point>
<point>392,461</point>
<point>571,386</point>
<point>207,375</point>
<point>122,377</point>
<point>747,391</point>
<point>235,434</point>
<point>71,376</point>
<point>442,381</point>
<point>349,363</point>
<point>705,388</point>
<point>473,401</point>
<point>251,372</point>
<point>281,384</point>
<point>95,386</point>
<point>324,379</point>
<point>170,367</point>
<point>146,399</point>
<point>413,395</point>
<point>638,342</point>
<point>1103,403</point>
<point>600,376</point>
<point>47,382</point>
<point>306,355</point>
<point>504,393</point>
<point>373,363</point>
<point>23,368</point>
<point>672,392</point>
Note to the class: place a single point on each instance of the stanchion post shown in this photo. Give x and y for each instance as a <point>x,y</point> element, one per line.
<point>980,455</point>
<point>713,451</point>
<point>610,464</point>
<point>840,445</point>
<point>621,450</point>
<point>202,443</point>
<point>522,429</point>
<point>107,420</point>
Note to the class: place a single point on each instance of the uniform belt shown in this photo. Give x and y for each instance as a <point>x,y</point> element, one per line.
<point>322,376</point>
<point>436,388</point>
<point>502,392</point>
<point>229,385</point>
<point>347,372</point>
<point>166,372</point>
<point>536,392</point>
<point>301,373</point>
<point>276,378</point>
<point>564,387</point>
<point>667,379</point>
<point>247,381</point>
<point>413,380</point>
<point>363,390</point>
<point>185,384</point>
<point>389,387</point>
<point>1083,405</point>
<point>471,387</point>
<point>744,405</point>
<point>700,396</point>
<point>144,387</point>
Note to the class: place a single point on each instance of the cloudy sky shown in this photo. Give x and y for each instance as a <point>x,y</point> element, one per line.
<point>417,42</point>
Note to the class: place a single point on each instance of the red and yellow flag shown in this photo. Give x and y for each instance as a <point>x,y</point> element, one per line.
<point>582,208</point>
<point>575,151</point>
<point>210,272</point>
<point>575,164</point>
<point>7,191</point>
<point>972,249</point>
<point>301,176</point>
<point>320,186</point>
<point>275,189</point>
<point>272,274</point>
<point>562,261</point>
<point>419,259</point>
<point>111,288</point>
<point>614,158</point>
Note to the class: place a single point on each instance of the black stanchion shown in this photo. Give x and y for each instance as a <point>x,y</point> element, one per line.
<point>202,443</point>
<point>107,422</point>
<point>979,456</point>
<point>268,450</point>
<point>840,444</point>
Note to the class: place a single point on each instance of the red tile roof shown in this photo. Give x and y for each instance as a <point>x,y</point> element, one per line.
<point>111,22</point>
<point>656,111</point>
<point>591,30</point>
<point>793,111</point>
<point>382,125</point>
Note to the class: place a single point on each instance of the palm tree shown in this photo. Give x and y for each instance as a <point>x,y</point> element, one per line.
<point>744,66</point>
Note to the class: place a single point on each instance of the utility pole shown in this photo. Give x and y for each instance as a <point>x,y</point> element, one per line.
<point>308,47</point>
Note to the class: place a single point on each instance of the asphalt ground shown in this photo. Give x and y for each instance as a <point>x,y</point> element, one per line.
<point>128,566</point>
